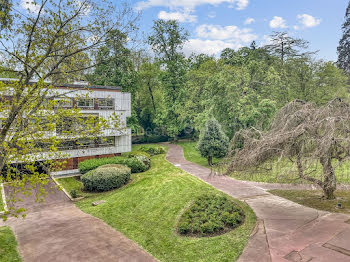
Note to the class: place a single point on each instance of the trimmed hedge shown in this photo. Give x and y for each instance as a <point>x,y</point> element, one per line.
<point>153,150</point>
<point>210,215</point>
<point>136,153</point>
<point>106,178</point>
<point>136,164</point>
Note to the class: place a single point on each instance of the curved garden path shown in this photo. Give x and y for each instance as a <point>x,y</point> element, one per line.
<point>58,231</point>
<point>285,231</point>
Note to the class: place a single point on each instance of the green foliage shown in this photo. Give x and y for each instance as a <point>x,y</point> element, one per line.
<point>136,153</point>
<point>212,142</point>
<point>74,193</point>
<point>153,150</point>
<point>136,164</point>
<point>149,139</point>
<point>146,212</point>
<point>344,47</point>
<point>8,246</point>
<point>106,178</point>
<point>210,214</point>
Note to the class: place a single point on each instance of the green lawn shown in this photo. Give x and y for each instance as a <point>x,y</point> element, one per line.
<point>283,171</point>
<point>74,183</point>
<point>147,211</point>
<point>312,198</point>
<point>8,246</point>
<point>193,155</point>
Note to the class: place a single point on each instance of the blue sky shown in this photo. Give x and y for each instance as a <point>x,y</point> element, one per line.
<point>216,24</point>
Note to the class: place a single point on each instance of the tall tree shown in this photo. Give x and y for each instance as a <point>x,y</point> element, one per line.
<point>50,42</point>
<point>344,43</point>
<point>167,40</point>
<point>285,46</point>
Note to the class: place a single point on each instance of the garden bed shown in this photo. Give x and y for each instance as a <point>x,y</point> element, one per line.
<point>210,215</point>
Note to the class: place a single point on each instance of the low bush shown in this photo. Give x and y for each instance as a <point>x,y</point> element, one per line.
<point>210,215</point>
<point>106,178</point>
<point>153,150</point>
<point>136,164</point>
<point>136,153</point>
<point>74,193</point>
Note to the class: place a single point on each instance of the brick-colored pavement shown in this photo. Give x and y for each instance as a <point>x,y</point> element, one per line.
<point>57,231</point>
<point>286,231</point>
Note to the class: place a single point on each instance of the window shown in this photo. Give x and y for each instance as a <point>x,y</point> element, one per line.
<point>106,103</point>
<point>85,103</point>
<point>64,103</point>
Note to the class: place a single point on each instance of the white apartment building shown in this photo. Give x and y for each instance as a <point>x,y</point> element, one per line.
<point>102,102</point>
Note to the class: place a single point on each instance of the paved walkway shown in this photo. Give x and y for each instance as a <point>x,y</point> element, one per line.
<point>57,231</point>
<point>285,231</point>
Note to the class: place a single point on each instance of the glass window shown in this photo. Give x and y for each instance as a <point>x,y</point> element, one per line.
<point>106,103</point>
<point>64,103</point>
<point>85,103</point>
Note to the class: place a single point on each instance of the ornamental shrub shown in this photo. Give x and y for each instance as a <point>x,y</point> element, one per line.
<point>153,150</point>
<point>136,153</point>
<point>213,142</point>
<point>106,178</point>
<point>136,164</point>
<point>210,215</point>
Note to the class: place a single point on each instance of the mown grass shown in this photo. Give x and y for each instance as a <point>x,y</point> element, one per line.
<point>192,154</point>
<point>282,171</point>
<point>8,246</point>
<point>312,198</point>
<point>147,211</point>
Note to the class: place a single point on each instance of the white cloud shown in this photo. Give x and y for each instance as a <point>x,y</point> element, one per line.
<point>181,17</point>
<point>307,21</point>
<point>210,47</point>
<point>190,4</point>
<point>230,32</point>
<point>249,21</point>
<point>278,22</point>
<point>212,39</point>
<point>30,6</point>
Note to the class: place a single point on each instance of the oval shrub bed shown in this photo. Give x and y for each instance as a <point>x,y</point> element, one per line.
<point>210,215</point>
<point>136,164</point>
<point>106,178</point>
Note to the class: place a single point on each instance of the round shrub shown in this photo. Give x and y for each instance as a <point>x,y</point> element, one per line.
<point>210,215</point>
<point>136,164</point>
<point>106,178</point>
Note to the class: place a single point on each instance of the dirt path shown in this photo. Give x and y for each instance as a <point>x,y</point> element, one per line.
<point>57,231</point>
<point>286,231</point>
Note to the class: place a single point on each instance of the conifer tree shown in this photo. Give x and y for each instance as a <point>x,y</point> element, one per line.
<point>344,43</point>
<point>213,142</point>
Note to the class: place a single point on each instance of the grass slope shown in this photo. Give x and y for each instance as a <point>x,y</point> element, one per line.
<point>283,171</point>
<point>312,198</point>
<point>147,211</point>
<point>8,246</point>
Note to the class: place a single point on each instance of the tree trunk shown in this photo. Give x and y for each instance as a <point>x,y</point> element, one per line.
<point>210,160</point>
<point>329,183</point>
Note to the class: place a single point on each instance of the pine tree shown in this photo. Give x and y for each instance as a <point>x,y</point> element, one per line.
<point>344,43</point>
<point>212,141</point>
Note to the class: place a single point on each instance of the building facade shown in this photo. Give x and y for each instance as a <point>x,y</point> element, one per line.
<point>94,101</point>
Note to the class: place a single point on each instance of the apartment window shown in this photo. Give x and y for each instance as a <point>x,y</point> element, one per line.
<point>106,103</point>
<point>64,103</point>
<point>85,103</point>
